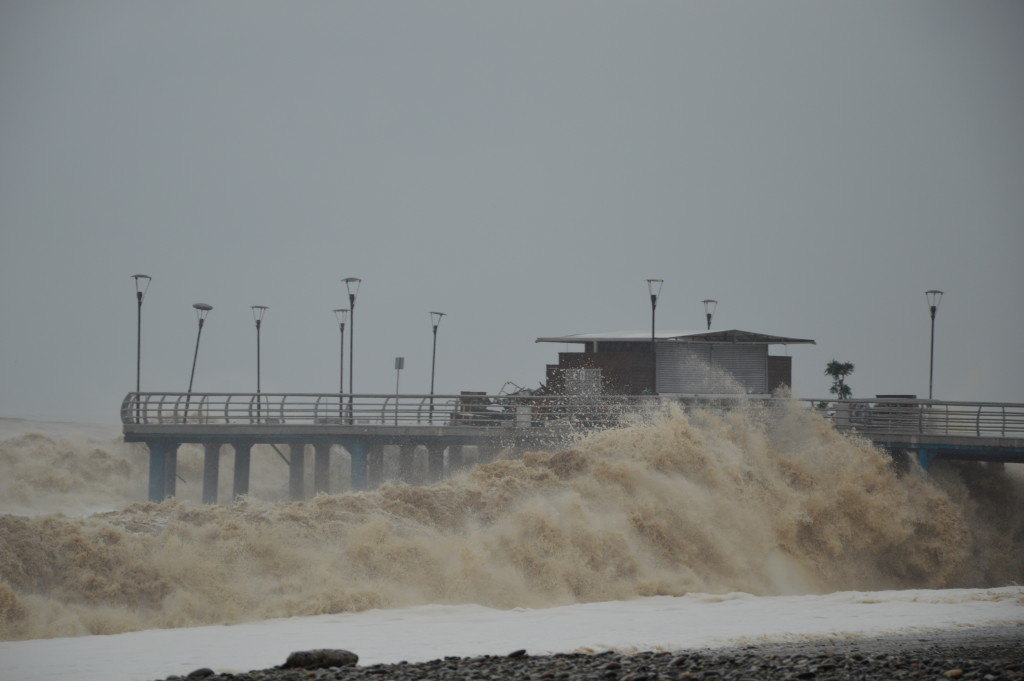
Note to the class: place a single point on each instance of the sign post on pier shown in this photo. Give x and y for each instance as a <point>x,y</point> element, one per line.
<point>399,365</point>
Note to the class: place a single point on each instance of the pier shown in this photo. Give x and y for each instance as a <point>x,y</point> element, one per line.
<point>493,424</point>
<point>991,432</point>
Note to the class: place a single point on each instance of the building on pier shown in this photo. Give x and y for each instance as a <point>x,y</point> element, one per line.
<point>691,363</point>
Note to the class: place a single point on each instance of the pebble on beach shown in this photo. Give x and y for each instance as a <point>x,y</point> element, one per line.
<point>322,658</point>
<point>993,658</point>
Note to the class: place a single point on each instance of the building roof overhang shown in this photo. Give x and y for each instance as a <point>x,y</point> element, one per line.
<point>729,336</point>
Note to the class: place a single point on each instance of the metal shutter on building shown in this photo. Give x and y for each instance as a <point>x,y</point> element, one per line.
<point>747,364</point>
<point>682,367</point>
<point>705,368</point>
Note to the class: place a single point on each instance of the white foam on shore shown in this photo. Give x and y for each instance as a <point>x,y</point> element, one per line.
<point>429,632</point>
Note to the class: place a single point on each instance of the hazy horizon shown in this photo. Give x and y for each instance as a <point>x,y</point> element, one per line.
<point>523,167</point>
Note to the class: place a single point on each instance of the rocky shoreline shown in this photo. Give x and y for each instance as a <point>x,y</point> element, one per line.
<point>987,654</point>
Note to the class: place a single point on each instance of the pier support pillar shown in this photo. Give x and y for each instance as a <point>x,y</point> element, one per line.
<point>925,458</point>
<point>171,472</point>
<point>456,460</point>
<point>375,467</point>
<point>486,453</point>
<point>243,451</point>
<point>211,471</point>
<point>406,462</point>
<point>470,456</point>
<point>357,449</point>
<point>297,472</point>
<point>435,462</point>
<point>163,460</point>
<point>900,460</point>
<point>322,468</point>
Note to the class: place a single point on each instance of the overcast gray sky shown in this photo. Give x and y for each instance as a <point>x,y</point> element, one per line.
<point>522,166</point>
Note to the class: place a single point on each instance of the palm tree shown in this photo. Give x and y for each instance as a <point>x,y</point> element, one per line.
<point>839,371</point>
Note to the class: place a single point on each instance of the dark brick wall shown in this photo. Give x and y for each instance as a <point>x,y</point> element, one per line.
<point>780,372</point>
<point>628,372</point>
<point>622,373</point>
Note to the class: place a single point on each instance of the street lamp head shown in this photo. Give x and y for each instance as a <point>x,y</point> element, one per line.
<point>934,298</point>
<point>435,318</point>
<point>202,309</point>
<point>654,287</point>
<point>141,285</point>
<point>341,314</point>
<point>258,311</point>
<point>709,309</point>
<point>352,285</point>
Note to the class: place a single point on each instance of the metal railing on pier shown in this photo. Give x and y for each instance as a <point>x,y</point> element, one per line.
<point>879,417</point>
<point>333,409</point>
<point>893,416</point>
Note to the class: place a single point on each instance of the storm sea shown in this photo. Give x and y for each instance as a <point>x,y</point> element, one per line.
<point>678,530</point>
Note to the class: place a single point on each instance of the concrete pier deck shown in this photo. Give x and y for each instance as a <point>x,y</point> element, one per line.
<point>444,424</point>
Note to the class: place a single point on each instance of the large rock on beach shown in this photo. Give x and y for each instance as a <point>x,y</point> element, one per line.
<point>321,658</point>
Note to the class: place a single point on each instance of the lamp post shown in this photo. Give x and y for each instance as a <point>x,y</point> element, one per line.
<point>709,310</point>
<point>352,286</point>
<point>435,320</point>
<point>341,314</point>
<point>141,286</point>
<point>257,314</point>
<point>933,297</point>
<point>202,309</point>
<point>654,288</point>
